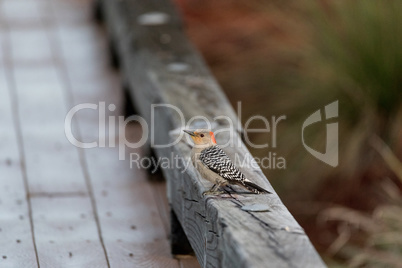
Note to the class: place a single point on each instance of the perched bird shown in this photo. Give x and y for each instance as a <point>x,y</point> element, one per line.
<point>215,166</point>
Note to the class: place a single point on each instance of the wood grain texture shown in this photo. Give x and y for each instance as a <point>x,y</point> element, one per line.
<point>162,67</point>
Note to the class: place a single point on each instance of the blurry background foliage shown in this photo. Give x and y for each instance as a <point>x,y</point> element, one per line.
<point>292,57</point>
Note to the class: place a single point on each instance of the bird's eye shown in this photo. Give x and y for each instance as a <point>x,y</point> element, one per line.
<point>202,135</point>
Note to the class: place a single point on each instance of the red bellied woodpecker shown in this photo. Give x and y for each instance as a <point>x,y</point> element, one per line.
<point>215,166</point>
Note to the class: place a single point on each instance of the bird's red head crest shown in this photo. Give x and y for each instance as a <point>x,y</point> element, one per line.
<point>212,137</point>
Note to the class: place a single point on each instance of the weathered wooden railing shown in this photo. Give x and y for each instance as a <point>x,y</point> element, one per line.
<point>160,66</point>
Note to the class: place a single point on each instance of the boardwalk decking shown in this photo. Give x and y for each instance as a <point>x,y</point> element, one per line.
<point>62,206</point>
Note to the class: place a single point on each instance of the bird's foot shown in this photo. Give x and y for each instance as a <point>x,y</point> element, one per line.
<point>213,192</point>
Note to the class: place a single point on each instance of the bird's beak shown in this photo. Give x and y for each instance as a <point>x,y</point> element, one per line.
<point>191,133</point>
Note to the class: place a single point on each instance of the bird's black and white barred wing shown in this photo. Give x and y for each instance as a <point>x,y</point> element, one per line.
<point>218,161</point>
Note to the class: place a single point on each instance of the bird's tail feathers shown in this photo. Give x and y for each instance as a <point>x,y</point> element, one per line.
<point>255,188</point>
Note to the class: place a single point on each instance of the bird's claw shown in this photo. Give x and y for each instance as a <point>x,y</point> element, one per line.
<point>213,192</point>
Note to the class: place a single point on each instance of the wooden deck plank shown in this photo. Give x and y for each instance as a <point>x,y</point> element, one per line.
<point>75,196</point>
<point>22,12</point>
<point>1,44</point>
<point>159,194</point>
<point>63,216</point>
<point>133,229</point>
<point>16,241</point>
<point>131,224</point>
<point>52,162</point>
<point>66,233</point>
<point>37,38</point>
